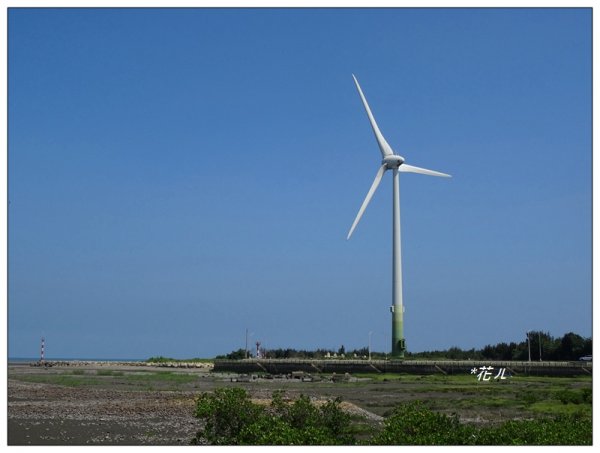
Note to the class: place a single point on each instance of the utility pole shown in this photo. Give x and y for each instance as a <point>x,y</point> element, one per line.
<point>246,356</point>
<point>370,333</point>
<point>540,342</point>
<point>529,346</point>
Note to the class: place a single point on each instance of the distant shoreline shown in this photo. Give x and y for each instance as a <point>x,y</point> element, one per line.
<point>63,359</point>
<point>18,362</point>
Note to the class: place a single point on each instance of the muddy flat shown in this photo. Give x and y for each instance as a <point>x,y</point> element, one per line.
<point>46,414</point>
<point>115,404</point>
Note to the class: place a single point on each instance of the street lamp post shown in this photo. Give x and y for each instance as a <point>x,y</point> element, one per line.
<point>248,335</point>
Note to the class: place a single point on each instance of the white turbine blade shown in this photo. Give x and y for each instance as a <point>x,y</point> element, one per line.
<point>372,190</point>
<point>384,147</point>
<point>411,169</point>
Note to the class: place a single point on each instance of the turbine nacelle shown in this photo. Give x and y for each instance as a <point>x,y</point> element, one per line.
<point>390,160</point>
<point>393,161</point>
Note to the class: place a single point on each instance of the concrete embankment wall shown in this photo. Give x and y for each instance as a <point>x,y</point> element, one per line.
<point>285,366</point>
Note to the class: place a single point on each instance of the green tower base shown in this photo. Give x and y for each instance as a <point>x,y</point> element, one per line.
<point>398,341</point>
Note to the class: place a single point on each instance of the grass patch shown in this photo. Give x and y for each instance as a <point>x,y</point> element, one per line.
<point>417,378</point>
<point>109,373</point>
<point>151,380</point>
<point>62,379</point>
<point>378,377</point>
<point>556,407</point>
<point>158,377</point>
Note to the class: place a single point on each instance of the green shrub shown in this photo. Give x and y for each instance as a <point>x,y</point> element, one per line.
<point>586,395</point>
<point>530,397</point>
<point>573,429</point>
<point>225,413</point>
<point>231,418</point>
<point>570,396</point>
<point>160,359</point>
<point>414,424</point>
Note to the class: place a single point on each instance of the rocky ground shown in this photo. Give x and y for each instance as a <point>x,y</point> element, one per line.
<point>125,404</point>
<point>43,414</point>
<point>108,409</point>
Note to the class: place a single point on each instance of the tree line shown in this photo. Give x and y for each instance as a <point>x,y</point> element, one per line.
<point>537,345</point>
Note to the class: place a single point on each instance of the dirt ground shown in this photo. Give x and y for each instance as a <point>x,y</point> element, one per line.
<point>105,408</point>
<point>121,405</point>
<point>44,414</point>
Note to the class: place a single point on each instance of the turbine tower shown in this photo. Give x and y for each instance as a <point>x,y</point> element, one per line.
<point>394,162</point>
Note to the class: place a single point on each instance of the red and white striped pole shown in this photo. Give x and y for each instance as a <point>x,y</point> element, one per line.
<point>42,351</point>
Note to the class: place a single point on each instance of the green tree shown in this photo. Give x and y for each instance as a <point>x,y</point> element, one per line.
<point>234,355</point>
<point>572,346</point>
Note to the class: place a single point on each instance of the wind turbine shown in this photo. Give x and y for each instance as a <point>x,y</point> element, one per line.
<point>394,162</point>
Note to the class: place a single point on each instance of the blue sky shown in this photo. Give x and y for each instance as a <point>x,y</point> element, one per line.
<point>179,175</point>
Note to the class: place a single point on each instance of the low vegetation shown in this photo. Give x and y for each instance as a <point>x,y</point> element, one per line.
<point>147,380</point>
<point>230,417</point>
<point>161,359</point>
<point>402,409</point>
